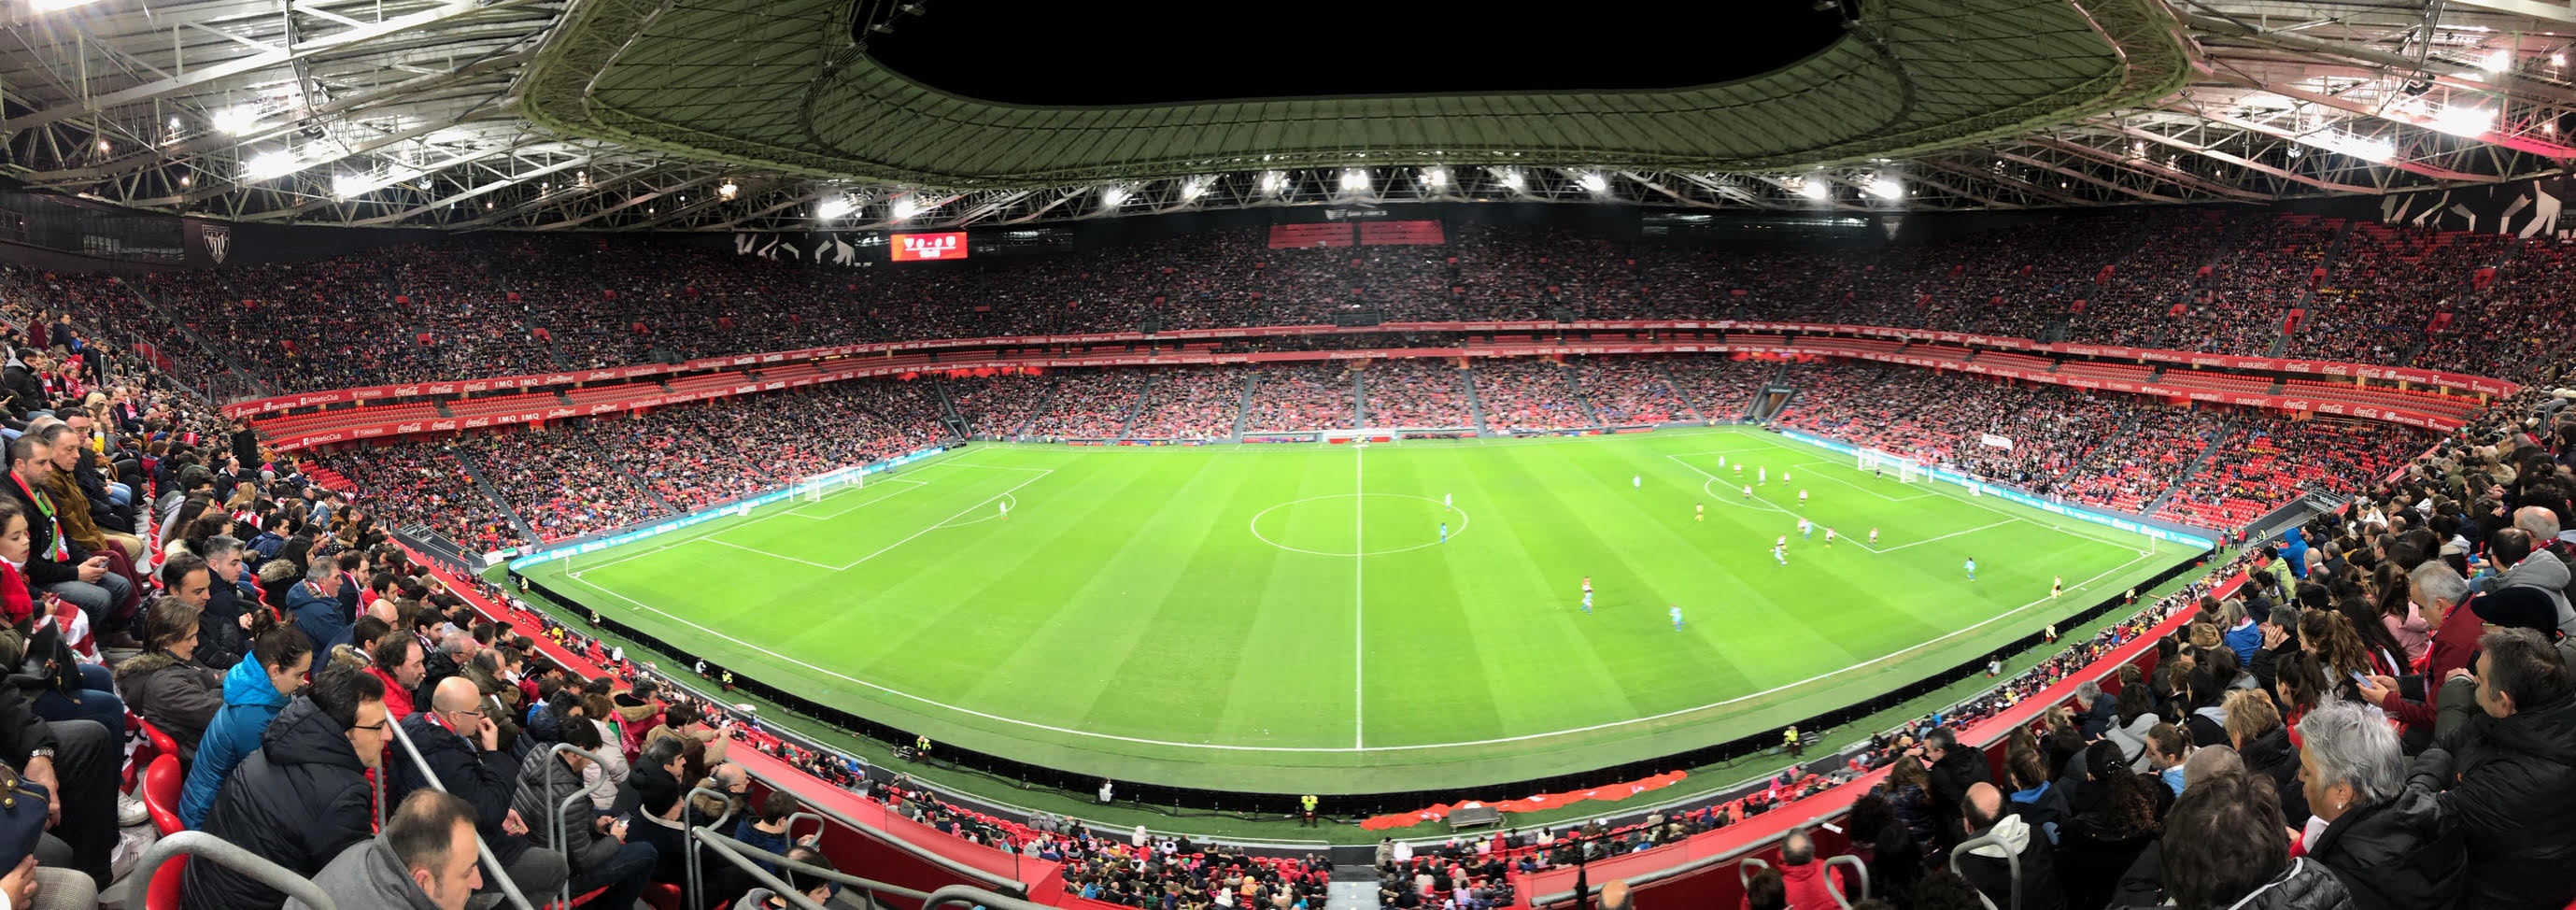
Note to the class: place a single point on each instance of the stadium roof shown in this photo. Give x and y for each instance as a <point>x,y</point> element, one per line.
<point>766,114</point>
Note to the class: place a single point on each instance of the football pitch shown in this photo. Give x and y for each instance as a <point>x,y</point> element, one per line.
<point>1287,618</point>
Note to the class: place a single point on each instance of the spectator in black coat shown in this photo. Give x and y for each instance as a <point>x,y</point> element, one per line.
<point>2385,840</point>
<point>303,797</point>
<point>2102,841</point>
<point>2254,727</point>
<point>2226,847</point>
<point>2506,775</point>
<point>458,739</point>
<point>2031,869</point>
<point>1952,767</point>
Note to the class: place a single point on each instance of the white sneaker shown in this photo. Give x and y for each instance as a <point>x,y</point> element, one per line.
<point>130,811</point>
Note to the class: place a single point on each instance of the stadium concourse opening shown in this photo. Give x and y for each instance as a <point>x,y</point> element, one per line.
<point>1287,619</point>
<point>1166,51</point>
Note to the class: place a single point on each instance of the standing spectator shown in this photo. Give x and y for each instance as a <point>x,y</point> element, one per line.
<point>1802,876</point>
<point>303,797</point>
<point>2385,840</point>
<point>424,860</point>
<point>1951,767</point>
<point>2506,776</point>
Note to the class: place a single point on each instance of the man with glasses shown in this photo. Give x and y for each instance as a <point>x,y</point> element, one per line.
<point>459,742</point>
<point>303,797</point>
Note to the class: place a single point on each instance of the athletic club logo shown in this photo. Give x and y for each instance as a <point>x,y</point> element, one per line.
<point>219,238</point>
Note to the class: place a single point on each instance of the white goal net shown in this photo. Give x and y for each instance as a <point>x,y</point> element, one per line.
<point>820,487</point>
<point>1907,470</point>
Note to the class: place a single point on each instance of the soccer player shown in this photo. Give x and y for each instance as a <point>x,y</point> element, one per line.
<point>1779,553</point>
<point>1702,511</point>
<point>1748,492</point>
<point>1637,481</point>
<point>2057,588</point>
<point>1444,502</point>
<point>1444,532</point>
<point>1006,509</point>
<point>1762,474</point>
<point>1677,617</point>
<point>1878,471</point>
<point>1721,462</point>
<point>1802,493</point>
<point>1739,469</point>
<point>1784,477</point>
<point>1782,542</point>
<point>1972,568</point>
<point>1806,529</point>
<point>1587,594</point>
<point>1829,537</point>
<point>1873,536</point>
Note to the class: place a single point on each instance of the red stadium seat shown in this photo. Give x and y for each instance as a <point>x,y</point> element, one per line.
<point>161,788</point>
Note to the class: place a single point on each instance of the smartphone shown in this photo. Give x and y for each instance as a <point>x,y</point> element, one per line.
<point>2361,678</point>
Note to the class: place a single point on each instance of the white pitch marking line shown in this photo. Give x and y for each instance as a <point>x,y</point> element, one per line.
<point>1947,536</point>
<point>719,540</point>
<point>1359,612</point>
<point>1233,748</point>
<point>944,521</point>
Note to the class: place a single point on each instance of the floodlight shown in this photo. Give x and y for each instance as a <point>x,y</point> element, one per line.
<point>266,165</point>
<point>2464,121</point>
<point>1510,178</point>
<point>834,207</point>
<point>1886,188</point>
<point>907,207</point>
<point>1111,196</point>
<point>728,190</point>
<point>1435,177</point>
<point>2496,62</point>
<point>1272,181</point>
<point>1355,180</point>
<point>1592,180</point>
<point>1814,188</point>
<point>346,185</point>
<point>235,121</point>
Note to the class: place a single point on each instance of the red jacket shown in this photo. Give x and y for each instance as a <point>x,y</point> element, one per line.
<point>2455,646</point>
<point>397,698</point>
<point>1806,887</point>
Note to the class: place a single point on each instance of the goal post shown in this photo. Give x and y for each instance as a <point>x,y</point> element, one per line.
<point>1907,470</point>
<point>825,485</point>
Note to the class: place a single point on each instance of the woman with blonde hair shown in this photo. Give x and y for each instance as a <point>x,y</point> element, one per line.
<point>2254,728</point>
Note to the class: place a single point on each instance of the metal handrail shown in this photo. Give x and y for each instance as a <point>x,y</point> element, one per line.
<point>2012,863</point>
<point>971,896</point>
<point>735,851</point>
<point>483,849</point>
<point>1858,868</point>
<point>1744,870</point>
<point>821,824</point>
<point>688,807</point>
<point>230,856</point>
<point>555,822</point>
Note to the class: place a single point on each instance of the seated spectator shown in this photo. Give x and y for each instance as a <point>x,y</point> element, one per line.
<point>303,797</point>
<point>396,662</point>
<point>458,739</point>
<point>54,563</point>
<point>314,605</point>
<point>594,845</point>
<point>254,692</point>
<point>2254,728</point>
<point>2385,840</point>
<point>2225,847</point>
<point>1767,889</point>
<point>2035,797</point>
<point>2506,776</point>
<point>2018,867</point>
<point>815,888</point>
<point>424,859</point>
<point>2116,824</point>
<point>165,684</point>
<point>768,829</point>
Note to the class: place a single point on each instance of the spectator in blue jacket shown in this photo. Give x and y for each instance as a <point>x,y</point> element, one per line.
<point>315,604</point>
<point>254,691</point>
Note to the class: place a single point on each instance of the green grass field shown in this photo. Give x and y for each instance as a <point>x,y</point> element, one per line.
<point>1286,619</point>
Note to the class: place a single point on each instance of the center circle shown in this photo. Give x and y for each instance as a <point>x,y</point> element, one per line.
<point>1356,524</point>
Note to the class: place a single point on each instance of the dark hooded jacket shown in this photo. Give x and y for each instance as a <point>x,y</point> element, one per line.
<point>2510,787</point>
<point>297,802</point>
<point>2394,854</point>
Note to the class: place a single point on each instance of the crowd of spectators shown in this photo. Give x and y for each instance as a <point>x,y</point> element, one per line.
<point>1530,396</point>
<point>1416,393</point>
<point>2386,285</point>
<point>1089,404</point>
<point>1302,396</point>
<point>1720,388</point>
<point>420,483</point>
<point>1190,403</point>
<point>1629,391</point>
<point>999,406</point>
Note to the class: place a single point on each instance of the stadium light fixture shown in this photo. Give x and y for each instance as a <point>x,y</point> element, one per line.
<point>907,207</point>
<point>268,165</point>
<point>1592,180</point>
<point>835,206</point>
<point>2497,61</point>
<point>2558,60</point>
<point>1885,187</point>
<point>1355,180</point>
<point>1814,187</point>
<point>1435,177</point>
<point>48,6</point>
<point>1509,177</point>
<point>346,185</point>
<point>235,121</point>
<point>1112,195</point>
<point>728,190</point>
<point>2471,122</point>
<point>1272,182</point>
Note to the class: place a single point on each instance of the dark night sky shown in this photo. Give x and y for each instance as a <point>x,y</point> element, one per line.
<point>1157,51</point>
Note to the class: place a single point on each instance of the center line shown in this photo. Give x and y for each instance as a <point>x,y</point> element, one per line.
<point>1359,623</point>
